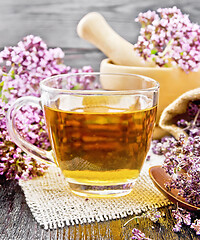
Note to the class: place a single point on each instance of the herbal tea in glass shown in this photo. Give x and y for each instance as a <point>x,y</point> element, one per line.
<point>99,138</point>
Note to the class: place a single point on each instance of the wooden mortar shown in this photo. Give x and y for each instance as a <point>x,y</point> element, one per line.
<point>173,83</point>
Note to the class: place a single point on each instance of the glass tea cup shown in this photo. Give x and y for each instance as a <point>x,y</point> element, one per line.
<point>99,138</point>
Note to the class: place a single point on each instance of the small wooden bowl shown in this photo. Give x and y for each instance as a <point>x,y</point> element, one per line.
<point>160,178</point>
<point>173,81</point>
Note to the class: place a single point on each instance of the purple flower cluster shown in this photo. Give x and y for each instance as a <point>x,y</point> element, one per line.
<point>15,164</point>
<point>138,235</point>
<point>182,158</point>
<point>181,216</point>
<point>182,162</point>
<point>196,226</point>
<point>163,145</point>
<point>184,217</point>
<point>192,125</point>
<point>31,125</point>
<point>154,215</point>
<point>27,64</point>
<point>169,38</point>
<point>23,67</point>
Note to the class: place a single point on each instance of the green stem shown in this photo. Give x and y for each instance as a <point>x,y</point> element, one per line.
<point>167,48</point>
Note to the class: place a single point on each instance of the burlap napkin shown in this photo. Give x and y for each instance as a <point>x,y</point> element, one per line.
<point>54,205</point>
<point>175,111</point>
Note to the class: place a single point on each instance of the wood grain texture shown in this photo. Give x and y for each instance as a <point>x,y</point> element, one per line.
<point>56,21</point>
<point>77,58</point>
<point>17,223</point>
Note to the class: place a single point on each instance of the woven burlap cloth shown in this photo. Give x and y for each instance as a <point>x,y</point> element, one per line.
<point>176,111</point>
<point>53,205</point>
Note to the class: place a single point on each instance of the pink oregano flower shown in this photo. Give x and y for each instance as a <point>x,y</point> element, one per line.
<point>23,67</point>
<point>169,38</point>
<point>196,226</point>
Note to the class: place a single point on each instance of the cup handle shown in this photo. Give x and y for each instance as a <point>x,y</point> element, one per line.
<point>35,152</point>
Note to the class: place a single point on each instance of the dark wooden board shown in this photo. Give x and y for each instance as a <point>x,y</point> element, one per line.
<point>56,20</point>
<point>17,223</point>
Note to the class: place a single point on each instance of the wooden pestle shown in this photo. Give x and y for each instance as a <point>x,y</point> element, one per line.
<point>94,28</point>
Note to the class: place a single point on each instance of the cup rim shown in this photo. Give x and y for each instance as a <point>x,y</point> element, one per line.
<point>97,91</point>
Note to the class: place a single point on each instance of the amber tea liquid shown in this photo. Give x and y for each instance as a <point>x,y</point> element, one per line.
<point>100,148</point>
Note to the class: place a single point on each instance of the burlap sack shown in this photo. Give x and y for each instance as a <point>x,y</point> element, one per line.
<point>176,110</point>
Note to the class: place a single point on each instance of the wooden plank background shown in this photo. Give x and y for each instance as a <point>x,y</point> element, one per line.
<point>56,20</point>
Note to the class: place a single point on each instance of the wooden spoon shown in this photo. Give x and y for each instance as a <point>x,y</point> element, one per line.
<point>159,178</point>
<point>93,28</point>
